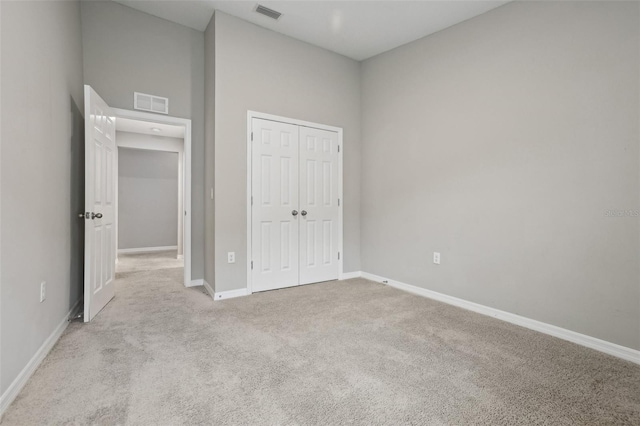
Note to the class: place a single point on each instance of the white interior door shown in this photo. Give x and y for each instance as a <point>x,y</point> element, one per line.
<point>274,218</point>
<point>319,210</point>
<point>100,176</point>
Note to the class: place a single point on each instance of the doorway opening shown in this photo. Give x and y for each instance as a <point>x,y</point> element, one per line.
<point>101,190</point>
<point>152,193</point>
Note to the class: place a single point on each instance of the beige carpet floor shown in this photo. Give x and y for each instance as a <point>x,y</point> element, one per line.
<point>351,352</point>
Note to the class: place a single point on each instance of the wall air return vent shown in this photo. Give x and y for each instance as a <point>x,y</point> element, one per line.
<point>268,12</point>
<point>151,103</point>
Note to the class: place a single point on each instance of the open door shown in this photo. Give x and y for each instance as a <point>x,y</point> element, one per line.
<point>99,237</point>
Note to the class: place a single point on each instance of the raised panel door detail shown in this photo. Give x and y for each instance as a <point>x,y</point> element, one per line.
<point>265,169</point>
<point>327,242</point>
<point>326,145</point>
<point>311,243</point>
<point>98,150</point>
<point>265,137</point>
<point>311,182</point>
<point>285,139</point>
<point>106,270</point>
<point>327,186</point>
<point>110,178</point>
<point>109,128</point>
<point>286,181</point>
<point>97,264</point>
<point>285,246</point>
<point>265,233</point>
<point>111,252</point>
<point>311,143</point>
<point>99,119</point>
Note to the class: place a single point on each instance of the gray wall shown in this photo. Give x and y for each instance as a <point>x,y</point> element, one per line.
<point>501,143</point>
<point>1,386</point>
<point>125,51</point>
<point>147,198</point>
<point>209,150</point>
<point>42,175</point>
<point>260,70</point>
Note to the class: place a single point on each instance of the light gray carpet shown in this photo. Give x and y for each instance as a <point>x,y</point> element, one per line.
<point>137,262</point>
<point>342,352</point>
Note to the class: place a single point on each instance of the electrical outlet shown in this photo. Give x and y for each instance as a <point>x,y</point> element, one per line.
<point>436,257</point>
<point>43,291</point>
<point>231,257</point>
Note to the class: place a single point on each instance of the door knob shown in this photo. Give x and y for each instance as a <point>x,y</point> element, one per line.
<point>303,212</point>
<point>96,215</point>
<point>294,212</point>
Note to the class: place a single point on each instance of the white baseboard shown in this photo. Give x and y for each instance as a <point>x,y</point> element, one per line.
<point>350,275</point>
<point>230,294</point>
<point>552,330</point>
<point>146,249</point>
<point>195,283</point>
<point>209,288</point>
<point>14,389</point>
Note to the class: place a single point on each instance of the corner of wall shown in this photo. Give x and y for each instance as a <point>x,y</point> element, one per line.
<point>209,154</point>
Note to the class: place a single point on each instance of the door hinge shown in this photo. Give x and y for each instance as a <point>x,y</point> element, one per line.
<point>338,202</point>
<point>252,264</point>
<point>338,255</point>
<point>252,136</point>
<point>252,200</point>
<point>338,148</point>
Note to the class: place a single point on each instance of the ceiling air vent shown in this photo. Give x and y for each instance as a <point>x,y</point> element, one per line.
<point>151,103</point>
<point>268,12</point>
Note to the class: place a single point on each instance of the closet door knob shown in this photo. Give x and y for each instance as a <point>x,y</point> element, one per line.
<point>303,212</point>
<point>294,212</point>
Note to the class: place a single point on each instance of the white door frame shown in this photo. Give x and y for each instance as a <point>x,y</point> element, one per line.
<point>186,123</point>
<point>264,116</point>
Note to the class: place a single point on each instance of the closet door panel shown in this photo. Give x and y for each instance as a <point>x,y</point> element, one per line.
<point>319,219</point>
<point>274,218</point>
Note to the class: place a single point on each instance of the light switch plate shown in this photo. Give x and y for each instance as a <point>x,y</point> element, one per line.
<point>436,257</point>
<point>231,257</point>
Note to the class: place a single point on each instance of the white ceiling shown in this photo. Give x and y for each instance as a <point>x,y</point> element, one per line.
<point>357,29</point>
<point>144,127</point>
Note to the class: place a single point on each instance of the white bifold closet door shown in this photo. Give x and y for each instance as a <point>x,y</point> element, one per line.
<point>294,214</point>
